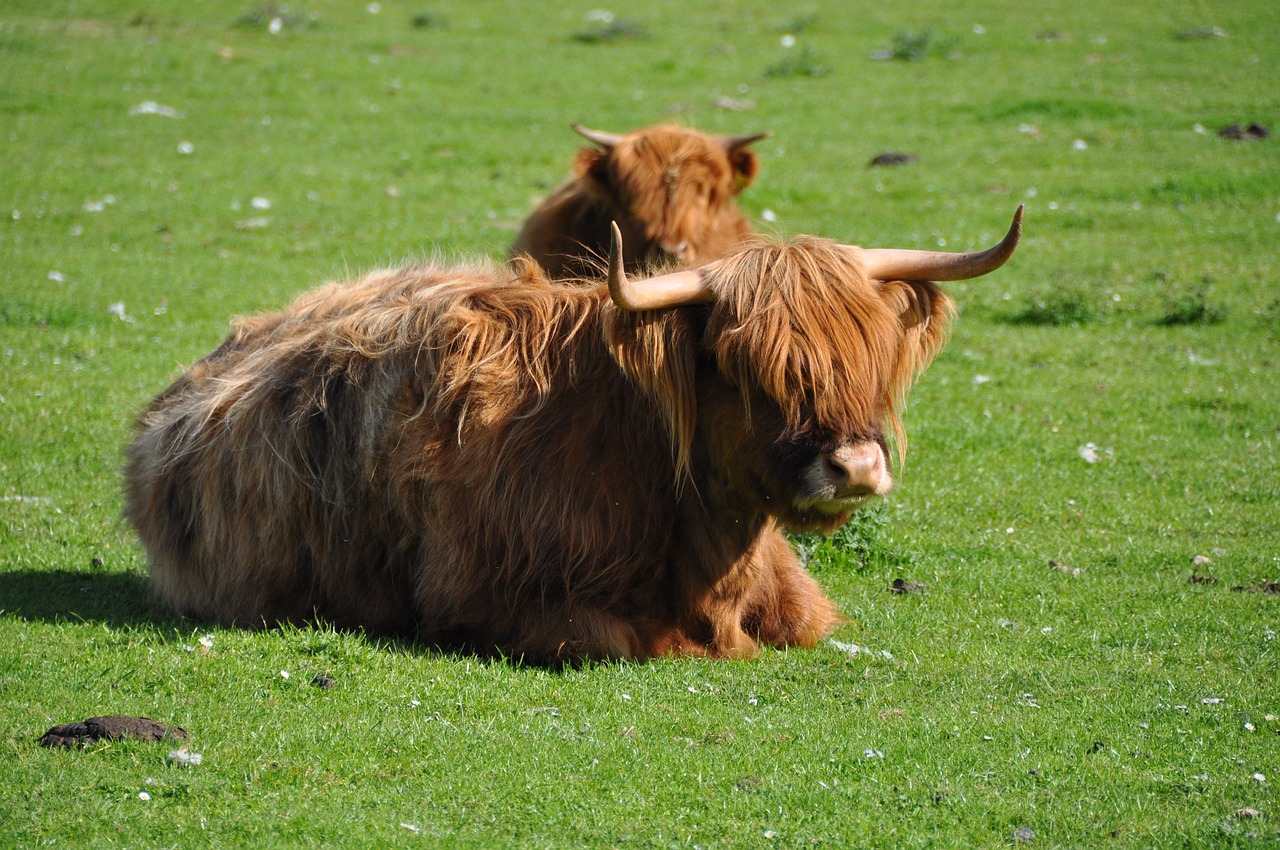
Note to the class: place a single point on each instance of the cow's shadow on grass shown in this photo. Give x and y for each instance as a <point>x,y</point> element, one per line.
<point>123,601</point>
<point>115,599</point>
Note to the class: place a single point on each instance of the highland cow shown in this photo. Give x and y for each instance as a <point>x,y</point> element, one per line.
<point>482,458</point>
<point>671,191</point>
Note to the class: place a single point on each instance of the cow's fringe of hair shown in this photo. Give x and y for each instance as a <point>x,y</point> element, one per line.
<point>821,339</point>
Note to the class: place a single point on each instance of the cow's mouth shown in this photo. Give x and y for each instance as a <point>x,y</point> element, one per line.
<point>832,507</point>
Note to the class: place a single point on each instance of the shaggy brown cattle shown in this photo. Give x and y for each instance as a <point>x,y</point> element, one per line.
<point>483,458</point>
<point>671,190</point>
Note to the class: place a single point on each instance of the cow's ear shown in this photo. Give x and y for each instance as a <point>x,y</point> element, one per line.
<point>925,312</point>
<point>592,165</point>
<point>745,165</point>
<point>917,302</point>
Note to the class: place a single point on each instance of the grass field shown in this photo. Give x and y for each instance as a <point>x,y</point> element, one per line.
<point>1107,410</point>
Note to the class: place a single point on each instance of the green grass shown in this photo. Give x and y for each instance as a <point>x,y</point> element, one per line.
<point>1138,324</point>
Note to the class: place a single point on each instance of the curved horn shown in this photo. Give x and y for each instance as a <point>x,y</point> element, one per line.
<point>601,138</point>
<point>893,264</point>
<point>732,143</point>
<point>656,293</point>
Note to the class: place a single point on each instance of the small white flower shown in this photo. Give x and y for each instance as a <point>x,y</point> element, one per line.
<point>1248,727</point>
<point>981,379</point>
<point>186,148</point>
<point>1260,777</point>
<point>1198,127</point>
<point>1088,452</point>
<point>275,25</point>
<point>57,277</point>
<point>788,40</point>
<point>144,796</point>
<point>1046,630</point>
<point>207,641</point>
<point>626,697</point>
<point>413,703</point>
<point>284,674</point>
<point>1079,145</point>
<point>872,753</point>
<point>117,310</point>
<point>769,215</point>
<point>1211,700</point>
<point>260,203</point>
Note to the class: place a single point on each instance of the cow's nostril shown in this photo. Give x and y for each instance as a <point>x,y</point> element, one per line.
<point>858,470</point>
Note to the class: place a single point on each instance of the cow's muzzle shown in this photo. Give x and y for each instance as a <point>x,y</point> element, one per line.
<point>682,251</point>
<point>839,480</point>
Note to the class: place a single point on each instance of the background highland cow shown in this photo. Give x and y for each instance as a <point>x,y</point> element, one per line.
<point>670,189</point>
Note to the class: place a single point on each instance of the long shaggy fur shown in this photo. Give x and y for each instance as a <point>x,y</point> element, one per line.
<point>480,457</point>
<point>664,185</point>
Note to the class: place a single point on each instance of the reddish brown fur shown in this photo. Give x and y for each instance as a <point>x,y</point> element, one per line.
<point>484,458</point>
<point>664,185</point>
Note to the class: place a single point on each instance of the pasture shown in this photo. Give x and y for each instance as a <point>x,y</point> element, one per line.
<point>1032,657</point>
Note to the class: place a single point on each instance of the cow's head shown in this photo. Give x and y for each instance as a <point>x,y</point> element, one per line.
<point>791,362</point>
<point>672,188</point>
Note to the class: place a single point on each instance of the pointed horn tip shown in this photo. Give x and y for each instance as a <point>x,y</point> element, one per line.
<point>615,245</point>
<point>741,141</point>
<point>616,276</point>
<point>600,137</point>
<point>1015,229</point>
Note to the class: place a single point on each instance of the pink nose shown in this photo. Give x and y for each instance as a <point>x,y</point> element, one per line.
<point>857,470</point>
<point>682,251</point>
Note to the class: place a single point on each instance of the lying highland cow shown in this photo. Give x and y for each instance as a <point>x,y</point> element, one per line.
<point>485,459</point>
<point>670,190</point>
